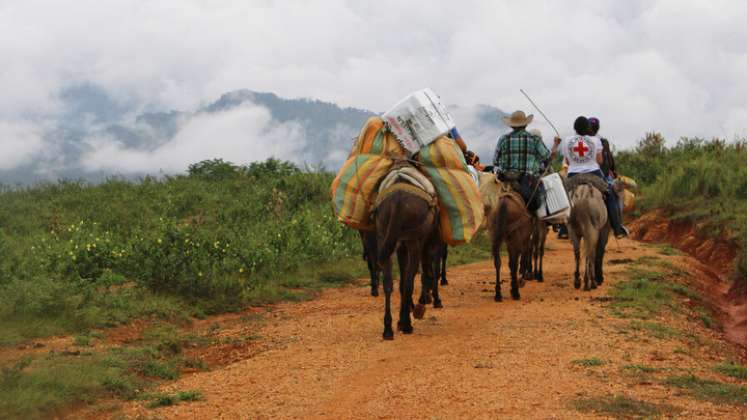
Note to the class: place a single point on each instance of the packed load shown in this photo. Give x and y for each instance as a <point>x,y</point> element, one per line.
<point>623,185</point>
<point>418,120</point>
<point>556,206</point>
<point>414,129</point>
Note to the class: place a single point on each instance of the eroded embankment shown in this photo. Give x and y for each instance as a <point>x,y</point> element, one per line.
<point>717,256</point>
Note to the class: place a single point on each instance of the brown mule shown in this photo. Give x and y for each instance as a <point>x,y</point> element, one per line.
<point>406,220</point>
<point>510,222</point>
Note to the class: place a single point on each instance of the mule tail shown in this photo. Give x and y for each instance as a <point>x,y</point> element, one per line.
<point>501,226</point>
<point>387,243</point>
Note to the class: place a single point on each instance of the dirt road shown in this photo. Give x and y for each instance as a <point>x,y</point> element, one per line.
<point>540,357</point>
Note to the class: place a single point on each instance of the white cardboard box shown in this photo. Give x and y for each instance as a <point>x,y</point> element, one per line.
<point>418,119</point>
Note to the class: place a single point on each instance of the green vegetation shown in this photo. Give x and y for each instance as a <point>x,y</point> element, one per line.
<point>38,388</point>
<point>695,181</point>
<point>655,329</point>
<point>641,296</point>
<point>164,400</point>
<point>732,369</point>
<point>622,407</point>
<point>708,390</point>
<point>592,362</point>
<point>77,256</point>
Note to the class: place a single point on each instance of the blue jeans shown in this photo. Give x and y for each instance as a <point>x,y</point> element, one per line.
<point>611,201</point>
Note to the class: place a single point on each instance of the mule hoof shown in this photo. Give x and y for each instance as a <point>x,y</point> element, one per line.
<point>498,298</point>
<point>428,299</point>
<point>406,329</point>
<point>577,285</point>
<point>515,296</point>
<point>374,292</point>
<point>388,335</point>
<point>539,277</point>
<point>419,311</point>
<point>444,282</point>
<point>600,281</point>
<point>438,304</point>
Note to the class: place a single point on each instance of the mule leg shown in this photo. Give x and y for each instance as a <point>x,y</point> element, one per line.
<point>444,256</point>
<point>540,276</point>
<point>402,261</point>
<point>497,264</point>
<point>412,263</point>
<point>374,277</point>
<point>577,256</point>
<point>513,265</point>
<point>592,239</point>
<point>387,274</point>
<point>601,249</point>
<point>431,261</point>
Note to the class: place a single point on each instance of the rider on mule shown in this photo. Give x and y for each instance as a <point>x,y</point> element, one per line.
<point>583,153</point>
<point>520,156</point>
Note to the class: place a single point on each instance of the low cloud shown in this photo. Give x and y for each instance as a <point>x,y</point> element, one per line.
<point>247,133</point>
<point>20,142</point>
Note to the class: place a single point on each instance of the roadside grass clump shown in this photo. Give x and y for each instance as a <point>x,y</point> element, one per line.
<point>622,407</point>
<point>709,390</point>
<point>641,296</point>
<point>655,329</point>
<point>732,369</point>
<point>590,362</point>
<point>165,400</point>
<point>41,388</point>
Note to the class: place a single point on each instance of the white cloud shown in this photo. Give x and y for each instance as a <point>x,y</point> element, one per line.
<point>19,142</point>
<point>243,134</point>
<point>670,65</point>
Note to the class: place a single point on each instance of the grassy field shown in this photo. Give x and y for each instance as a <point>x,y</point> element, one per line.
<point>79,258</point>
<point>695,180</point>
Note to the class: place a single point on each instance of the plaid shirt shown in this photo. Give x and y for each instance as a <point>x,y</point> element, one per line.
<point>520,151</point>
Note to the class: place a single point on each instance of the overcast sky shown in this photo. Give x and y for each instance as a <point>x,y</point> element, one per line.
<point>674,66</point>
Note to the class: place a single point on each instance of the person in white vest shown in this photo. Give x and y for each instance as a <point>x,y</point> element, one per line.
<point>583,154</point>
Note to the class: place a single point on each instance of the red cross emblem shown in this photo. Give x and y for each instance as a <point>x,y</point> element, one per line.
<point>580,148</point>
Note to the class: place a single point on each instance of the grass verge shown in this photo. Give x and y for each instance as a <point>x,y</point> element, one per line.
<point>622,407</point>
<point>709,390</point>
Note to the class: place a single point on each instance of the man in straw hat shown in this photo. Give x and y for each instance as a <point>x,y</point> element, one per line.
<point>520,156</point>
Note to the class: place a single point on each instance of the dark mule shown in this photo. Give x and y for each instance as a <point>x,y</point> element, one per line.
<point>406,221</point>
<point>368,239</point>
<point>511,223</point>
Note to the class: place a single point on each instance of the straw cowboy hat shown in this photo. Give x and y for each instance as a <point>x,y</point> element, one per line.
<point>518,119</point>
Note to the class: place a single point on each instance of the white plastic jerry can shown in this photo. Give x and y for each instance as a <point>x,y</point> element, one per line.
<point>556,204</point>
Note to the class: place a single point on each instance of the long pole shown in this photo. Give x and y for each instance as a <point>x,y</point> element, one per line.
<point>547,168</point>
<point>540,111</point>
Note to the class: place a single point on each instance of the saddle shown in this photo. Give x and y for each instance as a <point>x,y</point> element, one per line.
<point>415,183</point>
<point>586,179</point>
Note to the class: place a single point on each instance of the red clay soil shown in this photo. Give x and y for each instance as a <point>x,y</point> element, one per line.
<point>716,256</point>
<point>474,358</point>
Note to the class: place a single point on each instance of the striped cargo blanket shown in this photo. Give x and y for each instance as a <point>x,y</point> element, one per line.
<point>458,196</point>
<point>355,186</point>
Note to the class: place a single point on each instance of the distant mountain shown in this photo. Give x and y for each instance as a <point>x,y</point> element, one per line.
<point>327,130</point>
